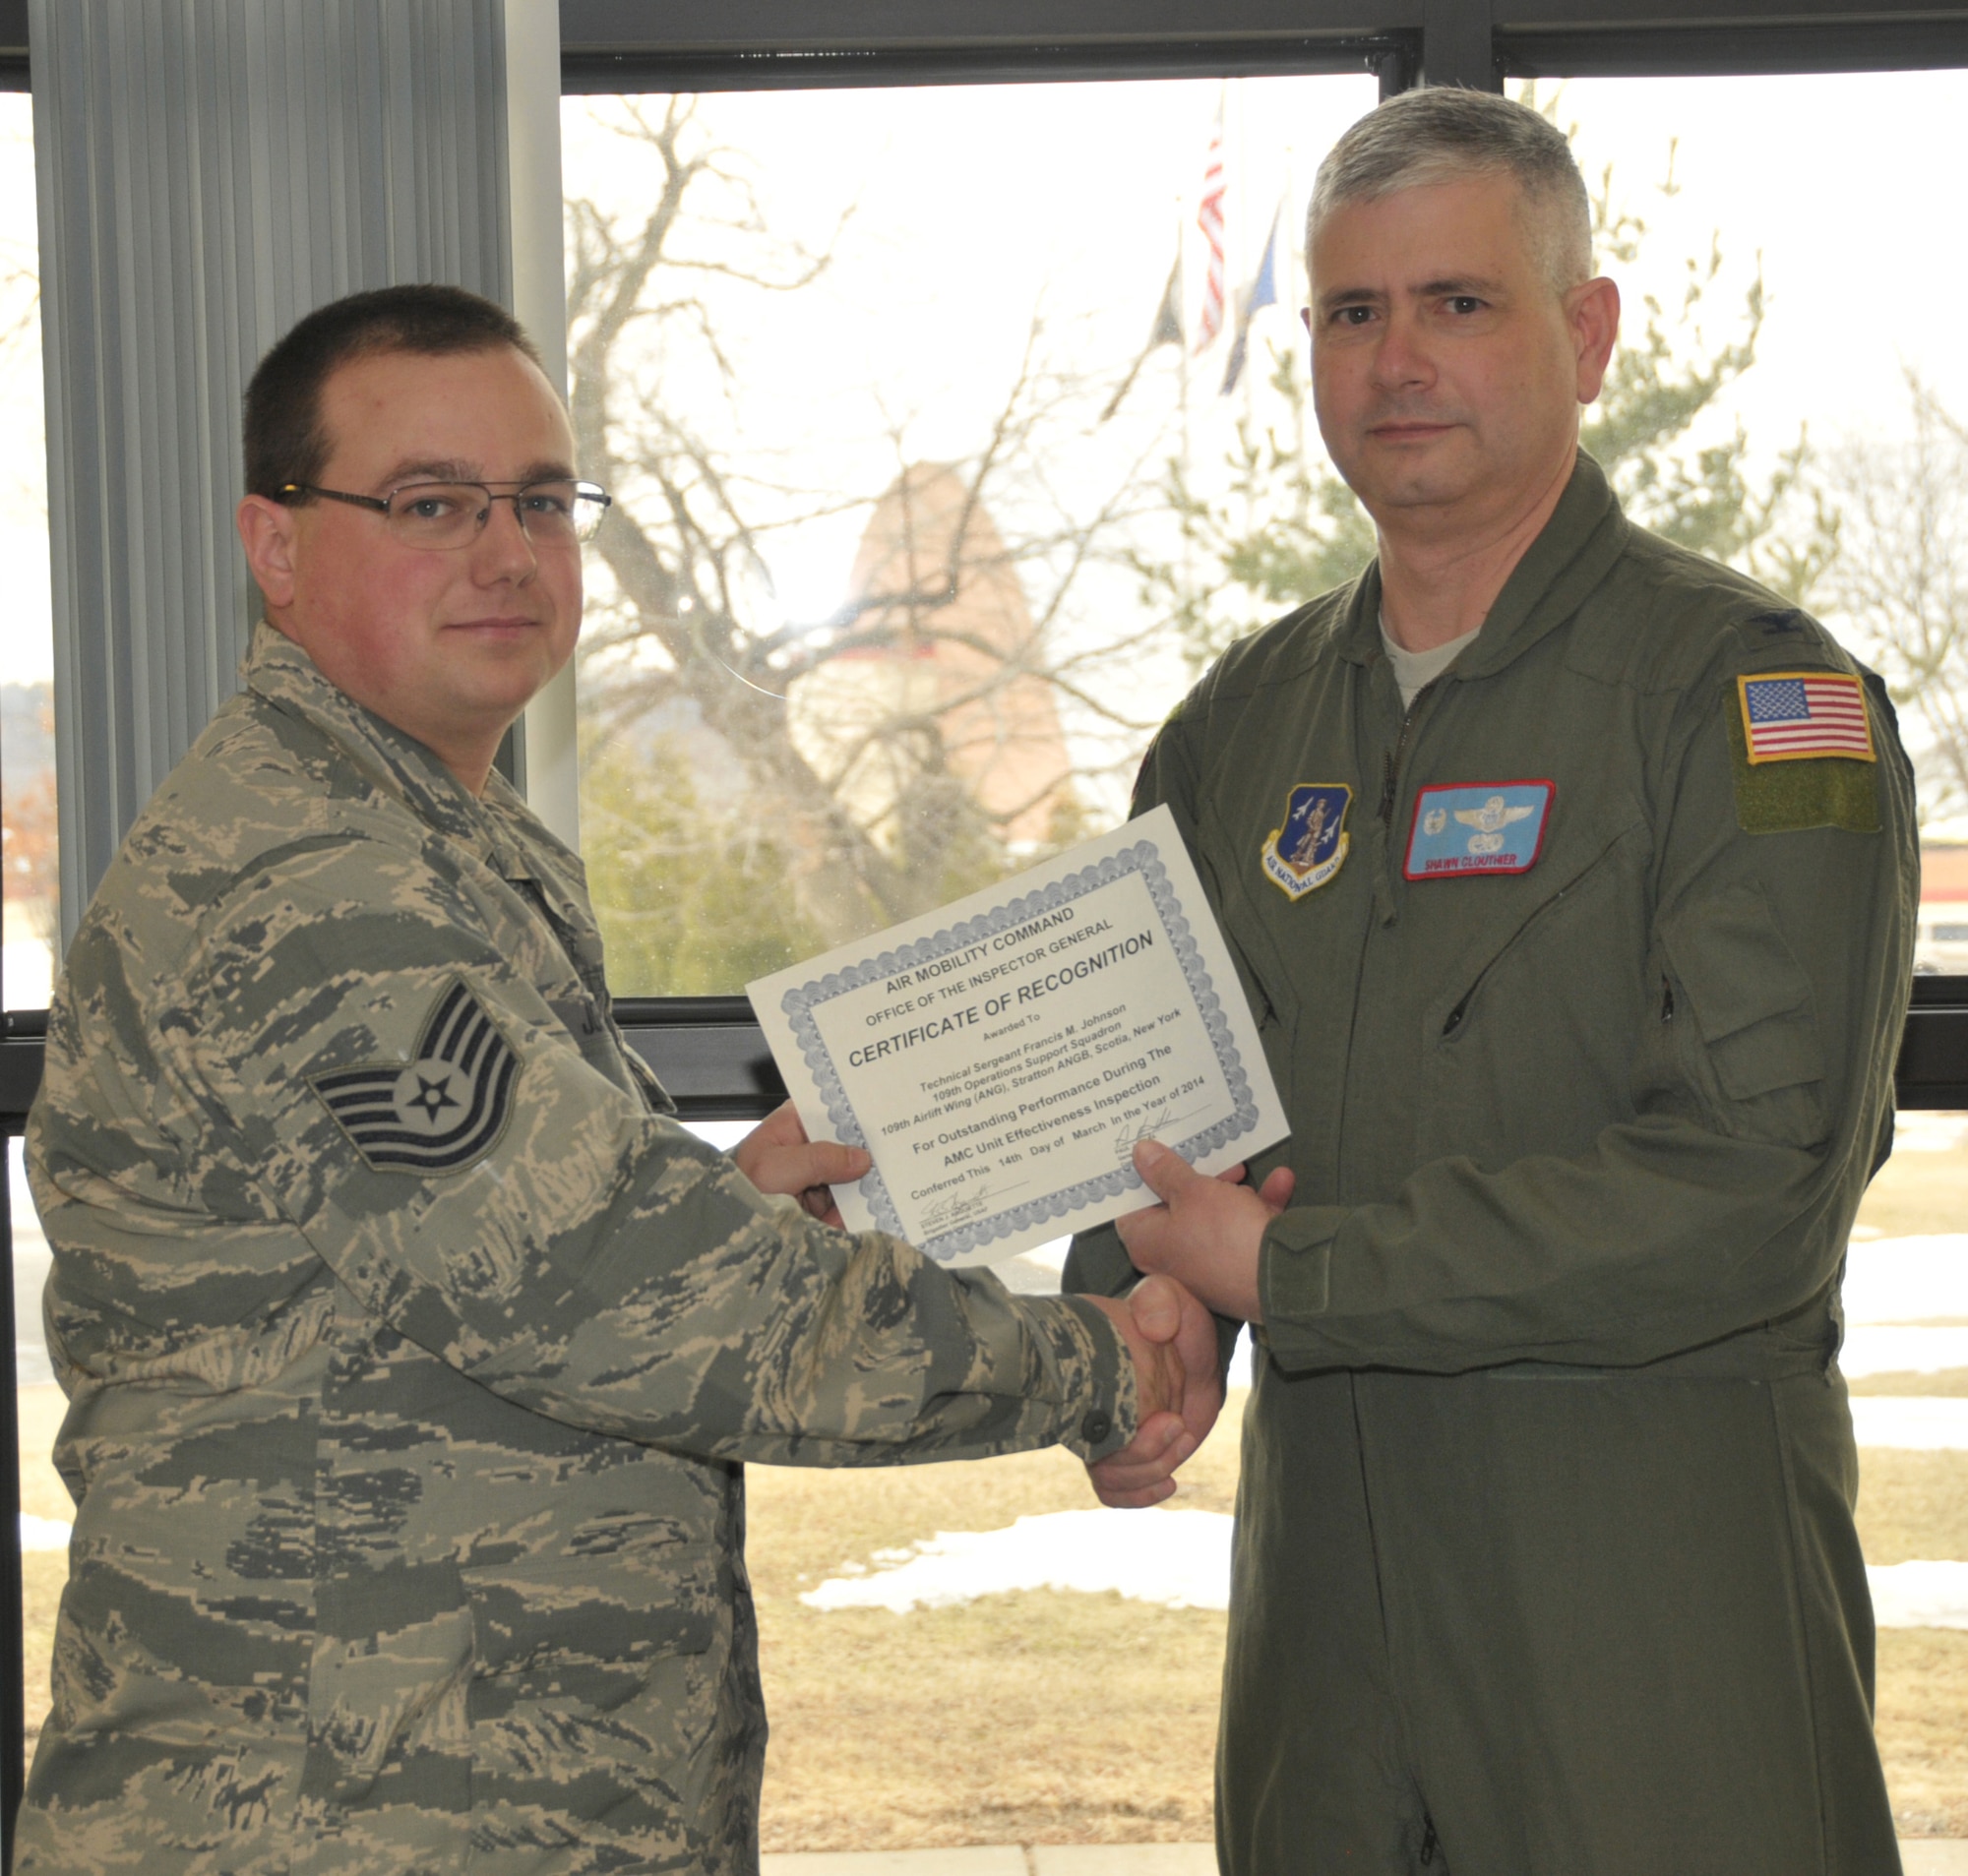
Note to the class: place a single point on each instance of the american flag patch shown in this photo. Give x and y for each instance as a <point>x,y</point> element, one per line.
<point>1789,715</point>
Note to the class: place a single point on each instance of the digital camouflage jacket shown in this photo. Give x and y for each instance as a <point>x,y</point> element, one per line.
<point>412,1348</point>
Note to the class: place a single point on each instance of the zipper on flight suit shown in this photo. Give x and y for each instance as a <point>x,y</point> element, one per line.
<point>1390,763</point>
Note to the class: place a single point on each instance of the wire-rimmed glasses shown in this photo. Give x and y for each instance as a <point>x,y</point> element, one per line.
<point>441,516</point>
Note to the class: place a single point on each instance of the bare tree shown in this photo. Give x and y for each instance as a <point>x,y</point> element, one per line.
<point>1902,578</point>
<point>880,791</point>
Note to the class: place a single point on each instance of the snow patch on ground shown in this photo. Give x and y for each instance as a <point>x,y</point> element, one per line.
<point>44,1534</point>
<point>1922,1423</point>
<point>1181,1559</point>
<point>1919,1594</point>
<point>1907,1279</point>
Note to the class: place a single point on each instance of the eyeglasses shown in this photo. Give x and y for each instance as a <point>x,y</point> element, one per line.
<point>449,514</point>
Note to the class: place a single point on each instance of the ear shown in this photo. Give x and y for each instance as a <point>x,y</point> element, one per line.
<point>266,532</point>
<point>1592,316</point>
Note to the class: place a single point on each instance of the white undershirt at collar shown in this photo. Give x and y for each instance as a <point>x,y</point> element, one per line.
<point>1415,670</point>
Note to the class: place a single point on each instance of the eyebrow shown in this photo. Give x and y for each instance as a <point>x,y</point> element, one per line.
<point>449,469</point>
<point>1448,285</point>
<point>1476,283</point>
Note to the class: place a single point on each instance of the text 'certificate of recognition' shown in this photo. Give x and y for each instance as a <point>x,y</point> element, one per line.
<point>1000,1057</point>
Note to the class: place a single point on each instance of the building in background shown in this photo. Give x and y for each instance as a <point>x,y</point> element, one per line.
<point>942,679</point>
<point>1940,941</point>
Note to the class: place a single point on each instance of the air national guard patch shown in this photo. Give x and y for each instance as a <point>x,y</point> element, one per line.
<point>1465,827</point>
<point>442,1112</point>
<point>1311,846</point>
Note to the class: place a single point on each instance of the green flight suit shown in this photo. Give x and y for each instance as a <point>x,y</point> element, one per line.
<point>1545,1562</point>
<point>412,1348</point>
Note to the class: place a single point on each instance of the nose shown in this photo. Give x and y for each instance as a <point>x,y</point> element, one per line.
<point>1401,360</point>
<point>504,549</point>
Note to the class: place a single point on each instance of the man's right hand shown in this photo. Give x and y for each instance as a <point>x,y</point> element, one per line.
<point>1172,1339</point>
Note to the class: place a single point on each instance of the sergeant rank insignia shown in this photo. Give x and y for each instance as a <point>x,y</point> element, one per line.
<point>446,1110</point>
<point>1311,846</point>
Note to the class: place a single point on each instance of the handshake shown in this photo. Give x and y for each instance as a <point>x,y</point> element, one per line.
<point>1177,1382</point>
<point>1202,1240</point>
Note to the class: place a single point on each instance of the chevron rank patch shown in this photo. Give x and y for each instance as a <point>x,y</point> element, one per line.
<point>443,1112</point>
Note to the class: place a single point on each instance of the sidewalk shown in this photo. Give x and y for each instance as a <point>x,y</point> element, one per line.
<point>1923,1856</point>
<point>1012,1859</point>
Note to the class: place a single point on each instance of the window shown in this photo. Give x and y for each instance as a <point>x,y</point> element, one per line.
<point>30,874</point>
<point>30,881</point>
<point>908,445</point>
<point>924,518</point>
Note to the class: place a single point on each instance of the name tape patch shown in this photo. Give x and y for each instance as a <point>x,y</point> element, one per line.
<point>443,1112</point>
<point>1788,716</point>
<point>1465,827</point>
<point>1311,844</point>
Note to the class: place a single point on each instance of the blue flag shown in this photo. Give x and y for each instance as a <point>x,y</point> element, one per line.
<point>1263,291</point>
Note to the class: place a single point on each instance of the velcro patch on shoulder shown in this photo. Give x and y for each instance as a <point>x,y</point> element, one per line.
<point>1790,796</point>
<point>442,1112</point>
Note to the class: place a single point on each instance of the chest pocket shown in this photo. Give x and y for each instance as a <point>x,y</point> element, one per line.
<point>606,1049</point>
<point>581,1018</point>
<point>1760,1062</point>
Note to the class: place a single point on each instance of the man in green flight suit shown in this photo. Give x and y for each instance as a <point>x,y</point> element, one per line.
<point>412,1348</point>
<point>1583,997</point>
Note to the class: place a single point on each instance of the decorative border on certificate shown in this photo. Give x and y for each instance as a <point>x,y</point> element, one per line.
<point>1143,858</point>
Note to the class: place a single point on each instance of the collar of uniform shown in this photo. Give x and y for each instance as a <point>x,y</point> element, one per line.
<point>1587,533</point>
<point>279,670</point>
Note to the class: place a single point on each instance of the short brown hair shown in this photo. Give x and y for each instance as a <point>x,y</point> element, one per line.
<point>284,439</point>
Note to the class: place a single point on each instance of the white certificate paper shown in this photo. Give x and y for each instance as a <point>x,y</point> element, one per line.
<point>1001,1058</point>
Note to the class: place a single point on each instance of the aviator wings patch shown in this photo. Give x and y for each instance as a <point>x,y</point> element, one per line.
<point>446,1110</point>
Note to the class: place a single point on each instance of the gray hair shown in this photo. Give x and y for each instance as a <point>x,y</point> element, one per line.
<point>1443,134</point>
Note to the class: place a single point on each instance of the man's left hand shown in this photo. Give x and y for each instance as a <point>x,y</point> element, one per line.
<point>777,1156</point>
<point>1207,1233</point>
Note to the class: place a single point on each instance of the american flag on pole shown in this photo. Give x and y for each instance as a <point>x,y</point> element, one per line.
<point>1209,218</point>
<point>1788,714</point>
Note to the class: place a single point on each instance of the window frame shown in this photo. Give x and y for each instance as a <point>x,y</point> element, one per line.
<point>707,1050</point>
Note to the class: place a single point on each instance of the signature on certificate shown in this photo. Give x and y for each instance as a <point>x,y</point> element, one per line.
<point>959,1208</point>
<point>1163,1122</point>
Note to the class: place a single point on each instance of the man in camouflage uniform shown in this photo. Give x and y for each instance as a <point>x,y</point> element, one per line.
<point>412,1348</point>
<point>1583,1010</point>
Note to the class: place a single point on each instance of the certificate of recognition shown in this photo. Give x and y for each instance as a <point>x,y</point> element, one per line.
<point>999,1058</point>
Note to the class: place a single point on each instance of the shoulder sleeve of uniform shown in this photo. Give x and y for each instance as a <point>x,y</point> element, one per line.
<point>1203,729</point>
<point>1810,734</point>
<point>370,1051</point>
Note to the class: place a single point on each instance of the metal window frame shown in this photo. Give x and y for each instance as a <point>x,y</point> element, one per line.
<point>708,1049</point>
